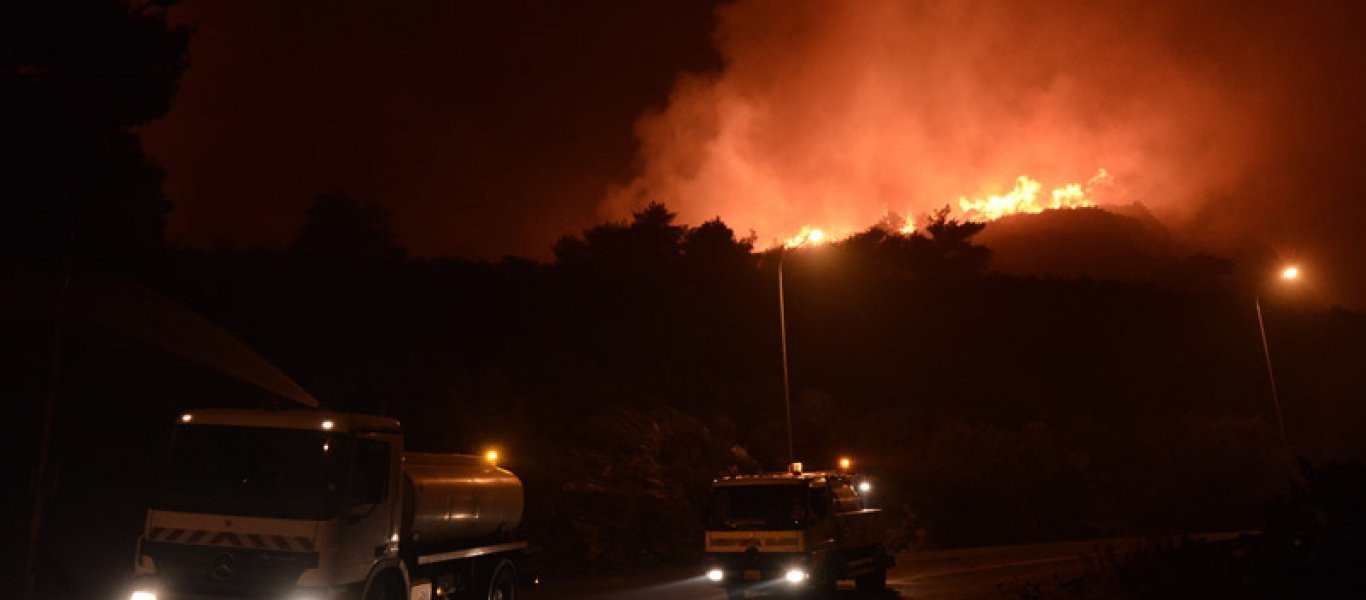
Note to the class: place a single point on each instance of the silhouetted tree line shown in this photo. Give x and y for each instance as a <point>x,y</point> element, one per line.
<point>75,78</point>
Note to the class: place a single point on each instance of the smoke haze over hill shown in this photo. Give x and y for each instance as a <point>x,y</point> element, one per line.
<point>1230,120</point>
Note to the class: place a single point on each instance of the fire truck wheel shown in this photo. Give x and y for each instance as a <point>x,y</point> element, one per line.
<point>872,582</point>
<point>503,584</point>
<point>735,593</point>
<point>825,588</point>
<point>385,587</point>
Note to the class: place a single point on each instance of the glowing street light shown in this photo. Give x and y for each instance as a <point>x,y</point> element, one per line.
<point>1289,274</point>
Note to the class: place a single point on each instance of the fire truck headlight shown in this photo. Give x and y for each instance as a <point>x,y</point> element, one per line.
<point>716,574</point>
<point>143,595</point>
<point>865,487</point>
<point>795,576</point>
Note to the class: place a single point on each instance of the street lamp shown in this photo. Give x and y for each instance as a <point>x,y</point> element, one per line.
<point>1289,274</point>
<point>813,236</point>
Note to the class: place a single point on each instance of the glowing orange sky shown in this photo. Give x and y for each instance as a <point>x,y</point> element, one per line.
<point>828,114</point>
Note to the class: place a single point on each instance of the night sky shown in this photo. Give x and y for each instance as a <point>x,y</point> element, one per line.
<point>495,128</point>
<point>486,128</point>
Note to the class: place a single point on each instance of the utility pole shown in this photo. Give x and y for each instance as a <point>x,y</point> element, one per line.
<point>1270,373</point>
<point>782,322</point>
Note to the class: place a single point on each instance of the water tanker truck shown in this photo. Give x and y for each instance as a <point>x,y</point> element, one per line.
<point>309,505</point>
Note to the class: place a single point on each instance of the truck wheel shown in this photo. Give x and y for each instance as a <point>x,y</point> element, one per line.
<point>872,582</point>
<point>503,584</point>
<point>824,583</point>
<point>385,587</point>
<point>824,588</point>
<point>735,593</point>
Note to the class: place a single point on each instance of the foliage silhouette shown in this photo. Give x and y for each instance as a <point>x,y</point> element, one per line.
<point>76,77</point>
<point>342,230</point>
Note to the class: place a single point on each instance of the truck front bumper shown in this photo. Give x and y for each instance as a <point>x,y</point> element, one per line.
<point>752,568</point>
<point>152,588</point>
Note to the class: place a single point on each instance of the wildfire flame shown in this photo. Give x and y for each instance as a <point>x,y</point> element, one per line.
<point>894,223</point>
<point>1024,198</point>
<point>808,235</point>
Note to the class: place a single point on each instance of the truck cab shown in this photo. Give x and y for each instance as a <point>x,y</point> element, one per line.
<point>793,531</point>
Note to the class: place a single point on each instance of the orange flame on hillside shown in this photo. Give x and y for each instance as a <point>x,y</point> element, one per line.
<point>807,236</point>
<point>1022,199</point>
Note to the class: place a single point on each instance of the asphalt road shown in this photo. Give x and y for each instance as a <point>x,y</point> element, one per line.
<point>959,574</point>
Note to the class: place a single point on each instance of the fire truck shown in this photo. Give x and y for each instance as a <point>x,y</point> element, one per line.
<point>311,505</point>
<point>794,531</point>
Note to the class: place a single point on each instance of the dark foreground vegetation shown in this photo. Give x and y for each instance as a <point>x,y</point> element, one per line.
<point>643,360</point>
<point>1311,544</point>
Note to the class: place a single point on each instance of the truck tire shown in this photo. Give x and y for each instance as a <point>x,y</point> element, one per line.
<point>386,587</point>
<point>823,588</point>
<point>503,582</point>
<point>824,583</point>
<point>735,593</point>
<point>872,582</point>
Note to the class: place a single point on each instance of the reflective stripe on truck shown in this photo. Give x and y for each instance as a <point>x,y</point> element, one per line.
<point>233,539</point>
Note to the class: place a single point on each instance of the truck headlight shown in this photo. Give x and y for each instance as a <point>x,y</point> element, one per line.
<point>795,576</point>
<point>143,595</point>
<point>716,574</point>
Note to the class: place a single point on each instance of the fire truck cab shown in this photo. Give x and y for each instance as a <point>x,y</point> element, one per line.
<point>793,531</point>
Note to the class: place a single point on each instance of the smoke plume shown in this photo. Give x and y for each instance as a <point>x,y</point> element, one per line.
<point>1215,115</point>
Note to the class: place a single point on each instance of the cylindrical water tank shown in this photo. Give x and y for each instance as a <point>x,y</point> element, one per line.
<point>454,500</point>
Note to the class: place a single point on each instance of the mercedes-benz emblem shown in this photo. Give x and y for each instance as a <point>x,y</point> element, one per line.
<point>223,568</point>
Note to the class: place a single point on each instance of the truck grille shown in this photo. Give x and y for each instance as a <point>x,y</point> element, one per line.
<point>210,571</point>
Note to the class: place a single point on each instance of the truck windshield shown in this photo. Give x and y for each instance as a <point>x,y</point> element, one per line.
<point>756,507</point>
<point>255,471</point>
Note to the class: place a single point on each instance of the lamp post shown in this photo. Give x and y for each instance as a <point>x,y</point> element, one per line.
<point>782,326</point>
<point>1288,274</point>
<point>814,236</point>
